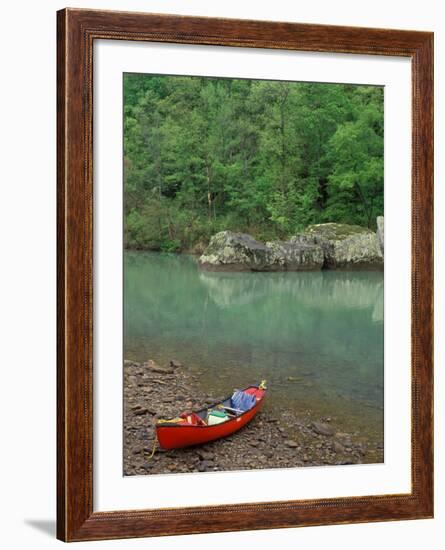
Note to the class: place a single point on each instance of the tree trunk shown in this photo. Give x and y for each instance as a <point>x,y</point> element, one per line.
<point>209,191</point>
<point>366,206</point>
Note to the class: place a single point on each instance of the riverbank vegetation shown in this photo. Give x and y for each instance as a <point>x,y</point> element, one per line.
<point>267,158</point>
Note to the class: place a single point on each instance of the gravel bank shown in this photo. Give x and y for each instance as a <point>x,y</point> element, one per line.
<point>271,440</point>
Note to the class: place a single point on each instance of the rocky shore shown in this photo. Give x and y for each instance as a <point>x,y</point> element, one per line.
<point>274,439</point>
<point>320,246</point>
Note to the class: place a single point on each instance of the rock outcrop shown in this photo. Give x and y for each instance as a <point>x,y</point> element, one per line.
<point>320,246</point>
<point>346,246</point>
<point>229,251</point>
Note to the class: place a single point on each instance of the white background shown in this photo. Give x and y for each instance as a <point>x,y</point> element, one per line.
<point>28,270</point>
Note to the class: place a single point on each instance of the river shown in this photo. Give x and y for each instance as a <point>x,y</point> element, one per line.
<point>317,338</point>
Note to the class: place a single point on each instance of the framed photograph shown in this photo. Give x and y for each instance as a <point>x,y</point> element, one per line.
<point>245,229</point>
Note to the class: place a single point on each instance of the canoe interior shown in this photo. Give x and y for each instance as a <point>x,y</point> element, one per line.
<point>202,413</point>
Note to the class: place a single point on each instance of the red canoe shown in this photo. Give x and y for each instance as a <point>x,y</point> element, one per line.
<point>192,428</point>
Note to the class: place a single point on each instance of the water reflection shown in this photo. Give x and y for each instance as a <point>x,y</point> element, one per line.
<point>324,289</point>
<point>323,329</point>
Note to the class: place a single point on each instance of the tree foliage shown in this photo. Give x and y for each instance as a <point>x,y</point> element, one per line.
<point>264,157</point>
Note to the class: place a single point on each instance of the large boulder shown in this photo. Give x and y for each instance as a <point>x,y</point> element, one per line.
<point>229,251</point>
<point>296,256</point>
<point>235,252</point>
<point>346,246</point>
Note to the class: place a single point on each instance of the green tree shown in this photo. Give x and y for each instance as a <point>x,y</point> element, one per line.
<point>265,157</point>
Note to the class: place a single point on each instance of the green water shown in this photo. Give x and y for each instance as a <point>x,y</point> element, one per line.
<point>316,337</point>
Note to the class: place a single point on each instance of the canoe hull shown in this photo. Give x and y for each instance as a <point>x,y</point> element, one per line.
<point>177,436</point>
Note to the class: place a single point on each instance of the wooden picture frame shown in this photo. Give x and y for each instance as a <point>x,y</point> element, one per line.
<point>76,32</point>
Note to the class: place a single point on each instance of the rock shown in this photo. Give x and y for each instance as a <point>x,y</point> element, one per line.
<point>144,434</point>
<point>295,256</point>
<point>292,444</point>
<point>154,367</point>
<point>338,447</point>
<point>346,246</point>
<point>139,410</point>
<point>175,364</point>
<point>229,251</point>
<point>168,399</point>
<point>205,466</point>
<point>344,439</point>
<point>327,245</point>
<point>235,252</point>
<point>322,428</point>
<point>362,448</point>
<point>206,455</point>
<point>381,233</point>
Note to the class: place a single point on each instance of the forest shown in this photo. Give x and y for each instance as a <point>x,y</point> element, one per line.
<point>268,158</point>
